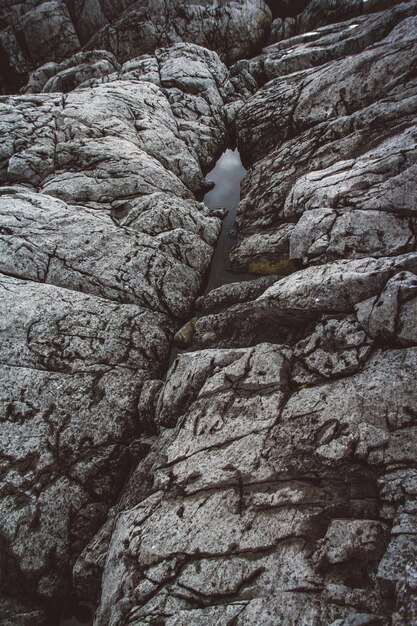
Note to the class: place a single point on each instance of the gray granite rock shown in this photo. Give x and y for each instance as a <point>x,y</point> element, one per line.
<point>331,147</point>
<point>46,240</point>
<point>267,253</point>
<point>269,477</point>
<point>250,472</point>
<point>323,235</point>
<point>72,366</point>
<point>103,251</point>
<point>34,32</point>
<point>233,293</point>
<point>293,303</point>
<point>68,74</point>
<point>234,29</point>
<point>391,316</point>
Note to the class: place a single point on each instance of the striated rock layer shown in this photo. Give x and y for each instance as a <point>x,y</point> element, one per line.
<point>271,477</point>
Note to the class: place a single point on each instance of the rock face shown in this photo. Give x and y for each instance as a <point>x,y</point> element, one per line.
<point>103,252</point>
<point>270,477</point>
<point>35,32</point>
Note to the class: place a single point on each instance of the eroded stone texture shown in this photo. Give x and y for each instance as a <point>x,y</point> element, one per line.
<point>68,74</point>
<point>266,498</point>
<point>103,251</point>
<point>315,142</point>
<point>274,470</point>
<point>290,305</point>
<point>72,368</point>
<point>282,485</point>
<point>234,29</point>
<point>35,32</point>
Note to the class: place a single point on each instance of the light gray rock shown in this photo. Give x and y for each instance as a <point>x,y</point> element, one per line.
<point>267,253</point>
<point>331,147</point>
<point>160,213</point>
<point>272,476</point>
<point>68,74</point>
<point>310,97</point>
<point>98,221</point>
<point>72,367</point>
<point>246,468</point>
<point>319,12</point>
<point>233,293</point>
<point>379,180</point>
<point>46,240</point>
<point>337,347</point>
<point>294,52</point>
<point>54,329</point>
<point>391,316</point>
<point>282,28</point>
<point>270,181</point>
<point>326,235</point>
<point>288,307</point>
<point>124,138</point>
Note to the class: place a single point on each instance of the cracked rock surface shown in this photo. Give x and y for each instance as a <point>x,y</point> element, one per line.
<point>103,251</point>
<point>38,32</point>
<point>283,478</point>
<point>269,476</point>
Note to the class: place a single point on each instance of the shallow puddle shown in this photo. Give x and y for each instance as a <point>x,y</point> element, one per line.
<point>227,175</point>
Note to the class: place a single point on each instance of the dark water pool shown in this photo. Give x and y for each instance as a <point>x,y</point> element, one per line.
<point>227,175</point>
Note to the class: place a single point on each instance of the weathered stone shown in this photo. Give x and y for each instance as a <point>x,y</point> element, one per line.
<point>233,293</point>
<point>36,32</point>
<point>264,254</point>
<point>74,363</point>
<point>297,300</point>
<point>42,33</point>
<point>391,316</point>
<point>319,12</point>
<point>272,477</point>
<point>326,235</point>
<point>71,73</point>
<point>48,241</point>
<point>234,29</point>
<point>335,348</point>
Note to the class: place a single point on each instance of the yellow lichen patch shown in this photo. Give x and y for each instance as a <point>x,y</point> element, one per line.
<point>184,336</point>
<point>265,266</point>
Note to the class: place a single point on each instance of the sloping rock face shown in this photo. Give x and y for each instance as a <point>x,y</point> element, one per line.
<point>270,478</point>
<point>103,251</point>
<point>35,32</point>
<point>282,486</point>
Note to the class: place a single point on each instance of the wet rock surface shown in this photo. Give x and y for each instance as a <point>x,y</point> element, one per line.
<point>270,476</point>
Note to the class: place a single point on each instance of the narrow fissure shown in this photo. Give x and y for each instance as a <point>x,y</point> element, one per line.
<point>226,175</point>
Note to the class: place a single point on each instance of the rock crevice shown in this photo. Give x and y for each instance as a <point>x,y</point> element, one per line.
<point>270,478</point>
